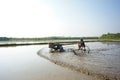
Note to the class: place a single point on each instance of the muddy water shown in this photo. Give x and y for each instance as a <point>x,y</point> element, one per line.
<point>23,63</point>
<point>103,61</point>
<point>105,58</point>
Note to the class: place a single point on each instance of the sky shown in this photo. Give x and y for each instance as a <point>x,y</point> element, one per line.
<point>68,18</point>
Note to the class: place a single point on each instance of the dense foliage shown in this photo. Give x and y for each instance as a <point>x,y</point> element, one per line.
<point>110,36</point>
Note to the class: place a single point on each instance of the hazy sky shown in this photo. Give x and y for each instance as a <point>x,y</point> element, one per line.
<point>42,18</point>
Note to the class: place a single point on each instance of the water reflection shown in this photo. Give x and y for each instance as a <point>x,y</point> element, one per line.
<point>23,63</point>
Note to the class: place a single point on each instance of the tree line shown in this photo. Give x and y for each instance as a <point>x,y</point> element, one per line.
<point>104,36</point>
<point>110,36</point>
<point>44,38</point>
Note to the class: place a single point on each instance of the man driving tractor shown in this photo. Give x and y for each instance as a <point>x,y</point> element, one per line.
<point>81,44</point>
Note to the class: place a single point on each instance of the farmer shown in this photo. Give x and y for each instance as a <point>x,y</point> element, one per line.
<point>81,44</point>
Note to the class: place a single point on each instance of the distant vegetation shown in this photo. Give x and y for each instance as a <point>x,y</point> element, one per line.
<point>107,37</point>
<point>44,38</point>
<point>111,36</point>
<point>4,39</point>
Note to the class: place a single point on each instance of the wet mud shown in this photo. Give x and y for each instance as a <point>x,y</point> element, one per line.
<point>103,61</point>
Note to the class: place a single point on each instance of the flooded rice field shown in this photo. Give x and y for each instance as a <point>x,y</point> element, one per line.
<point>103,60</point>
<point>30,63</point>
<point>23,63</point>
